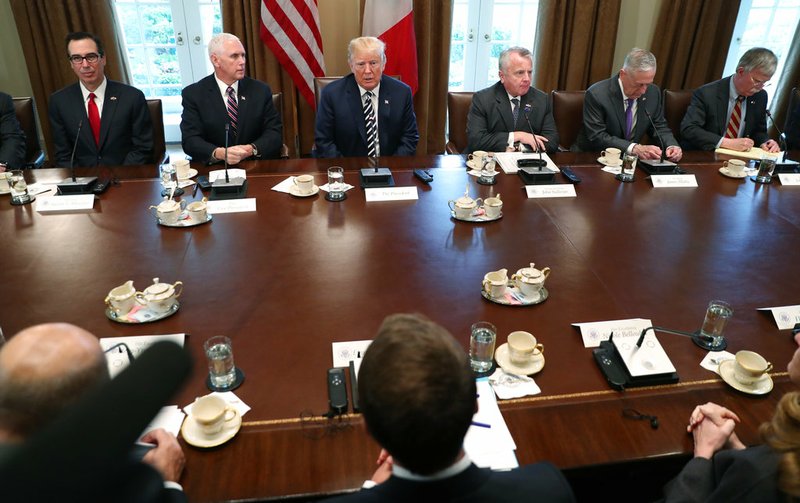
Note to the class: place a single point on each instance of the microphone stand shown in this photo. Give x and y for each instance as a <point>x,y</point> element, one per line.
<point>230,188</point>
<point>704,341</point>
<point>661,166</point>
<point>73,185</point>
<point>785,165</point>
<point>536,163</point>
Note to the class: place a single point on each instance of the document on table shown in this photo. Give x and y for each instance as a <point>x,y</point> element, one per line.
<point>594,333</point>
<point>491,446</point>
<point>118,358</point>
<point>649,359</point>
<point>754,153</point>
<point>508,161</point>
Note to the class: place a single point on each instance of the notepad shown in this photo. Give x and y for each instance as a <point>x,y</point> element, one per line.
<point>647,360</point>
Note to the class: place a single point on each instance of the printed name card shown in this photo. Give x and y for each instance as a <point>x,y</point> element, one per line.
<point>57,204</point>
<point>231,206</point>
<point>673,181</point>
<point>593,333</point>
<point>391,194</point>
<point>789,178</point>
<point>785,316</point>
<point>546,191</point>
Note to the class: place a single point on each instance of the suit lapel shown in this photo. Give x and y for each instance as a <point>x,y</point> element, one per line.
<point>356,109</point>
<point>109,109</point>
<point>722,106</point>
<point>617,103</point>
<point>504,107</point>
<point>79,113</point>
<point>215,100</point>
<point>243,94</point>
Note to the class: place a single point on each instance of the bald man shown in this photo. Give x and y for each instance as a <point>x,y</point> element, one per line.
<point>45,369</point>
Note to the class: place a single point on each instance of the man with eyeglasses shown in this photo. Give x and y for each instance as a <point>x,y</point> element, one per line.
<point>731,112</point>
<point>366,113</point>
<point>110,120</point>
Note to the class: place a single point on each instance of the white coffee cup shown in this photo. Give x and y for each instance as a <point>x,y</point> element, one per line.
<point>735,166</point>
<point>477,158</point>
<point>522,347</point>
<point>495,283</point>
<point>304,183</point>
<point>197,211</point>
<point>750,367</point>
<point>211,413</point>
<point>182,167</point>
<point>610,155</point>
<point>4,186</point>
<point>492,206</point>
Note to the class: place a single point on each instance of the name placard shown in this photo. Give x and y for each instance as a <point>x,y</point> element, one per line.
<point>789,178</point>
<point>391,194</point>
<point>231,206</point>
<point>546,191</point>
<point>58,204</point>
<point>660,181</point>
<point>593,333</point>
<point>785,316</point>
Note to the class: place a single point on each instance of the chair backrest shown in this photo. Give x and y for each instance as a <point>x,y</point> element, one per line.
<point>319,85</point>
<point>792,125</point>
<point>675,104</point>
<point>458,104</point>
<point>25,110</point>
<point>568,115</point>
<point>159,143</point>
<point>277,102</point>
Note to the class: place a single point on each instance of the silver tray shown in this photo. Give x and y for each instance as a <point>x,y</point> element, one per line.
<point>477,218</point>
<point>513,297</point>
<point>148,315</point>
<point>183,221</point>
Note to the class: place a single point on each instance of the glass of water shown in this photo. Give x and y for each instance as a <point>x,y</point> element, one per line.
<point>482,338</point>
<point>717,316</point>
<point>628,168</point>
<point>19,188</point>
<point>219,353</point>
<point>169,178</point>
<point>766,168</point>
<point>335,184</point>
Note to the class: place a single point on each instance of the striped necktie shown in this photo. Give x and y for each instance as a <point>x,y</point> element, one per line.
<point>515,110</point>
<point>369,121</point>
<point>233,111</point>
<point>732,131</point>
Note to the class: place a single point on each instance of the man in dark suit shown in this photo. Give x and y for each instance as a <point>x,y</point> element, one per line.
<point>12,139</point>
<point>501,116</point>
<point>113,118</point>
<point>615,112</point>
<point>366,113</point>
<point>731,112</point>
<point>418,394</point>
<point>227,97</point>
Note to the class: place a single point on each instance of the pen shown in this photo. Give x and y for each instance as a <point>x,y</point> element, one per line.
<point>482,425</point>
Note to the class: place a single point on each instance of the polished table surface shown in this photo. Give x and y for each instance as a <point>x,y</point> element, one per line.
<point>286,281</point>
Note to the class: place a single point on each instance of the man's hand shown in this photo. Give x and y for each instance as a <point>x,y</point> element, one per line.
<point>534,140</point>
<point>771,146</point>
<point>384,470</point>
<point>674,153</point>
<point>738,144</point>
<point>236,153</point>
<point>167,456</point>
<point>647,151</point>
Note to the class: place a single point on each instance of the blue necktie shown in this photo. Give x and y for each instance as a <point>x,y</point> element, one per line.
<point>629,119</point>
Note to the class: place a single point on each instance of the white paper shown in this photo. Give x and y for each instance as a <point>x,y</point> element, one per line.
<point>785,316</point>
<point>219,174</point>
<point>54,204</point>
<point>789,178</point>
<point>494,446</point>
<point>185,183</point>
<point>756,153</point>
<point>169,417</point>
<point>391,194</point>
<point>343,352</point>
<point>118,359</point>
<point>548,191</point>
<point>614,170</point>
<point>508,161</point>
<point>35,189</point>
<point>231,206</point>
<point>345,187</point>
<point>508,386</point>
<point>647,359</point>
<point>673,181</point>
<point>714,358</point>
<point>593,333</point>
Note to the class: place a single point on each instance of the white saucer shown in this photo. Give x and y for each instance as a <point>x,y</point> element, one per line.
<point>534,366</point>
<point>192,174</point>
<point>618,162</point>
<point>193,436</point>
<point>4,192</point>
<point>760,387</point>
<point>293,190</point>
<point>725,171</point>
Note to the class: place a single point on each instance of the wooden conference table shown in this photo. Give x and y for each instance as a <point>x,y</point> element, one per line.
<point>286,281</point>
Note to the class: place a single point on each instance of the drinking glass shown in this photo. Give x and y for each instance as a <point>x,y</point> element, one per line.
<point>481,346</point>
<point>717,316</point>
<point>628,168</point>
<point>19,188</point>
<point>765,170</point>
<point>335,184</point>
<point>219,353</point>
<point>169,178</point>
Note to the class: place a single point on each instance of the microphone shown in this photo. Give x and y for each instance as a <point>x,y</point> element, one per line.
<point>227,130</point>
<point>704,341</point>
<point>230,188</point>
<point>72,185</point>
<point>536,163</point>
<point>786,165</point>
<point>662,165</point>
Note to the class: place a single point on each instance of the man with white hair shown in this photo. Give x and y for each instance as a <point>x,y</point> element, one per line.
<point>616,110</point>
<point>227,102</point>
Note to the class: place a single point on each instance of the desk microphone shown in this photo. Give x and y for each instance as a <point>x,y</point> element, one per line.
<point>227,131</point>
<point>74,148</point>
<point>787,165</point>
<point>662,165</point>
<point>536,163</point>
<point>228,189</point>
<point>74,185</point>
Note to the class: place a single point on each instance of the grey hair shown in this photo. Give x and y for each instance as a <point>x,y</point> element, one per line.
<point>216,42</point>
<point>369,44</point>
<point>639,60</point>
<point>502,62</point>
<point>758,58</point>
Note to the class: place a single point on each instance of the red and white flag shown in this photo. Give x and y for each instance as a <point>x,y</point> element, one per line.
<point>290,28</point>
<point>393,22</point>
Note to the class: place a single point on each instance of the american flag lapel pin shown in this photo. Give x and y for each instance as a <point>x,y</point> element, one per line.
<point>113,98</point>
<point>243,98</point>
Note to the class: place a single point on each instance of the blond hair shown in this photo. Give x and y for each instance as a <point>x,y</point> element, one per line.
<point>782,434</point>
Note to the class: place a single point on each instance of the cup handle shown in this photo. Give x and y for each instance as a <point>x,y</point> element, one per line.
<point>108,301</point>
<point>140,298</point>
<point>232,413</point>
<point>769,367</point>
<point>540,348</point>
<point>479,202</point>
<point>178,286</point>
<point>451,205</point>
<point>487,286</point>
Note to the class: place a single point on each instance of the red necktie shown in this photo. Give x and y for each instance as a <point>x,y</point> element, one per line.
<point>732,131</point>
<point>94,118</point>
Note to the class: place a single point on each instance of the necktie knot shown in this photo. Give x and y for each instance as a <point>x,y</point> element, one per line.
<point>740,98</point>
<point>92,96</point>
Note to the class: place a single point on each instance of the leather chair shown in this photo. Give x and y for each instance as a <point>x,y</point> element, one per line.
<point>319,85</point>
<point>277,102</point>
<point>675,105</point>
<point>568,116</point>
<point>792,125</point>
<point>159,143</point>
<point>25,110</point>
<point>458,104</point>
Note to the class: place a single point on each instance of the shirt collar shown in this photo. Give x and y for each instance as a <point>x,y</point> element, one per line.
<point>624,97</point>
<point>732,92</point>
<point>375,91</point>
<point>452,470</point>
<point>99,93</point>
<point>223,87</point>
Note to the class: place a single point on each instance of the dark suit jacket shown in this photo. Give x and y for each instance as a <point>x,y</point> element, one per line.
<point>205,114</point>
<point>604,118</point>
<point>537,482</point>
<point>490,119</point>
<point>707,117</point>
<point>792,127</point>
<point>341,130</point>
<point>12,139</point>
<point>126,132</point>
<point>749,475</point>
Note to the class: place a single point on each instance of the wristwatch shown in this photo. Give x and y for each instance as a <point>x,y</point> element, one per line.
<point>255,149</point>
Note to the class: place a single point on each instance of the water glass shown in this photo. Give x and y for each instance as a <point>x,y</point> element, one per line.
<point>765,170</point>
<point>488,170</point>
<point>19,188</point>
<point>717,316</point>
<point>628,167</point>
<point>169,177</point>
<point>481,346</point>
<point>335,183</point>
<point>219,353</point>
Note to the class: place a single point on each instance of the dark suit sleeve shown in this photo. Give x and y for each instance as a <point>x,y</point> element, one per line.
<point>141,151</point>
<point>548,128</point>
<point>324,138</point>
<point>693,132</point>
<point>270,140</point>
<point>478,135</point>
<point>758,133</point>
<point>12,139</point>
<point>408,126</point>
<point>62,145</point>
<point>660,122</point>
<point>192,140</point>
<point>594,124</point>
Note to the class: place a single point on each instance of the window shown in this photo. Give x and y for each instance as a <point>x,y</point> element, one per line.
<point>164,54</point>
<point>482,29</point>
<point>764,23</point>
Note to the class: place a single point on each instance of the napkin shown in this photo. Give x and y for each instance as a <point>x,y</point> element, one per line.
<point>345,187</point>
<point>714,358</point>
<point>507,385</point>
